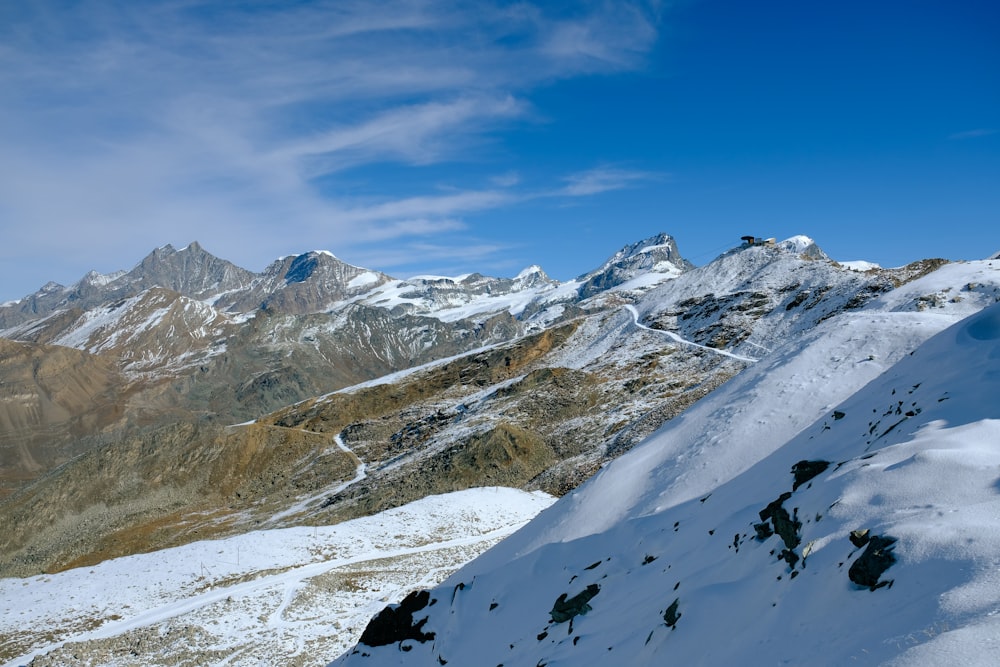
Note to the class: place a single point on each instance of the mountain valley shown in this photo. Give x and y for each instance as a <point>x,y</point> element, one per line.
<point>189,401</point>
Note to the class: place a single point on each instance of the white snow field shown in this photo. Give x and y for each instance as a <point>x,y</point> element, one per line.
<point>703,546</point>
<point>273,597</point>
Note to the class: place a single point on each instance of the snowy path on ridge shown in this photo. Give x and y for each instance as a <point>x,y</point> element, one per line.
<point>683,341</point>
<point>361,471</point>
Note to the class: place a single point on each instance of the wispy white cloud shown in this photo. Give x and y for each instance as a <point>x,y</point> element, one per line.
<point>433,258</point>
<point>249,123</point>
<point>604,179</point>
<point>418,134</point>
<point>973,134</point>
<point>506,180</point>
<point>447,204</point>
<point>616,36</point>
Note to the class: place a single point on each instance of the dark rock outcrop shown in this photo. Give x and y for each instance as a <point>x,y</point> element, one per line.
<point>787,526</point>
<point>564,610</point>
<point>806,470</point>
<point>876,559</point>
<point>395,623</point>
<point>671,615</point>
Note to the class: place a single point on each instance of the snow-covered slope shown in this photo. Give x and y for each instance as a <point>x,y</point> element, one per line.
<point>461,297</point>
<point>814,510</point>
<point>768,403</point>
<point>271,597</point>
<point>519,382</point>
<point>639,265</point>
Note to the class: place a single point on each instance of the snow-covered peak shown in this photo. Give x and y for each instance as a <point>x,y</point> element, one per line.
<point>534,269</point>
<point>797,243</point>
<point>802,245</point>
<point>96,279</point>
<point>662,244</point>
<point>815,508</point>
<point>533,276</point>
<point>651,261</point>
<point>300,267</point>
<point>860,265</point>
<point>311,282</point>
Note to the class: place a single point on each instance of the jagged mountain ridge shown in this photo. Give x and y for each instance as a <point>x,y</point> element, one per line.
<point>578,384</point>
<point>658,253</point>
<point>191,271</point>
<point>867,536</point>
<point>195,273</point>
<point>194,334</point>
<point>560,388</point>
<point>92,314</point>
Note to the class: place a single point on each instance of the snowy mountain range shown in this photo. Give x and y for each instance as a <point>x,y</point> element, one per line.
<point>835,503</point>
<point>767,431</point>
<point>184,331</point>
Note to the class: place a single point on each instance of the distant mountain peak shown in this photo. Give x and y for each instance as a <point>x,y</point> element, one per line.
<point>658,254</point>
<point>311,282</point>
<point>531,270</point>
<point>95,278</point>
<point>191,271</point>
<point>803,245</point>
<point>532,276</point>
<point>301,268</point>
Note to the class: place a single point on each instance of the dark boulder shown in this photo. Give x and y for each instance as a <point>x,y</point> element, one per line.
<point>784,524</point>
<point>671,615</point>
<point>395,623</point>
<point>564,610</point>
<point>806,470</point>
<point>875,560</point>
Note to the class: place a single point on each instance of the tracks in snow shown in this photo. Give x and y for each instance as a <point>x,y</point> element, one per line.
<point>670,334</point>
<point>360,472</point>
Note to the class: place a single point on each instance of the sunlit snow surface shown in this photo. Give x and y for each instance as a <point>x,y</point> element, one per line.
<point>686,498</point>
<point>266,597</point>
<point>903,403</point>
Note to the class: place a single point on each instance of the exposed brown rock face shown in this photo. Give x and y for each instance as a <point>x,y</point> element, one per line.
<point>142,423</point>
<point>154,488</point>
<point>50,397</point>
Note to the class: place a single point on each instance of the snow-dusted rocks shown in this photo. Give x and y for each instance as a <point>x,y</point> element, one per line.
<point>687,391</point>
<point>274,596</point>
<point>862,531</point>
<point>644,263</point>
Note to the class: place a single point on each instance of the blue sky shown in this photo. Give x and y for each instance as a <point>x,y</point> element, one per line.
<point>447,137</point>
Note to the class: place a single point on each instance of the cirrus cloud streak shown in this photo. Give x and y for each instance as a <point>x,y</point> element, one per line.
<point>252,127</point>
